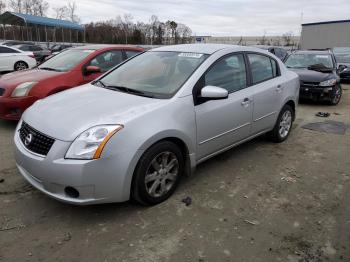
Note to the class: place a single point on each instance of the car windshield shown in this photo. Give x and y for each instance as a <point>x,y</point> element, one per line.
<point>341,50</point>
<point>343,58</point>
<point>66,61</point>
<point>307,60</point>
<point>156,74</point>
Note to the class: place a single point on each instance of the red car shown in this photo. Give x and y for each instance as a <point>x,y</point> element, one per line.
<point>70,68</point>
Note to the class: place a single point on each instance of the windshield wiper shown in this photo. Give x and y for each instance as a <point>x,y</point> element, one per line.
<point>50,69</point>
<point>128,90</point>
<point>99,83</point>
<point>320,68</point>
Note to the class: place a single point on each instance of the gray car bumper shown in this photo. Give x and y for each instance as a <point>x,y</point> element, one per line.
<point>98,181</point>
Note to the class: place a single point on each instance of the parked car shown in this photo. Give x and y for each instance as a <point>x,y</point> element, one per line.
<point>39,52</point>
<point>66,70</point>
<point>12,59</point>
<point>342,56</point>
<point>55,49</point>
<point>137,129</point>
<point>280,52</point>
<point>319,79</point>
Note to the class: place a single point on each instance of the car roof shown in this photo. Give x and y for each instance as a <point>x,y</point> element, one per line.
<point>99,47</point>
<point>203,48</point>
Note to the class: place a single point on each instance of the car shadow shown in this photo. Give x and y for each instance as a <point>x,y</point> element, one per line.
<point>8,124</point>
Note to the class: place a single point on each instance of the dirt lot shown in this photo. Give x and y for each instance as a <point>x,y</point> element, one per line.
<point>258,202</point>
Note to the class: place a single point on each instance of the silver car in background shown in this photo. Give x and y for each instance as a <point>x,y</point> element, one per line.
<point>137,129</point>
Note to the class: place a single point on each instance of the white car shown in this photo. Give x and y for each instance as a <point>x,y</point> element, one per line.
<point>12,59</point>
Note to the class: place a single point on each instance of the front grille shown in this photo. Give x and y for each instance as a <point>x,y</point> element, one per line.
<point>309,84</point>
<point>2,91</point>
<point>35,141</point>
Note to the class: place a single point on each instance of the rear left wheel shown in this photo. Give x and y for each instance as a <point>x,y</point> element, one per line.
<point>20,65</point>
<point>283,125</point>
<point>157,173</point>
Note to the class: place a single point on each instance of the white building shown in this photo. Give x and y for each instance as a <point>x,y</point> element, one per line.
<point>325,35</point>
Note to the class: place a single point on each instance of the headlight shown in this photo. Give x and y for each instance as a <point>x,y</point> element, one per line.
<point>330,82</point>
<point>90,143</point>
<point>23,89</point>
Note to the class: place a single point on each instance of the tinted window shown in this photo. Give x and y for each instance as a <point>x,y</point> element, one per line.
<point>5,50</point>
<point>275,70</point>
<point>261,68</point>
<point>228,73</point>
<point>131,53</point>
<point>35,48</point>
<point>24,48</point>
<point>107,60</point>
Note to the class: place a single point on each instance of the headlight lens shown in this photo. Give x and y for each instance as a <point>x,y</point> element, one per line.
<point>23,89</point>
<point>89,145</point>
<point>330,82</point>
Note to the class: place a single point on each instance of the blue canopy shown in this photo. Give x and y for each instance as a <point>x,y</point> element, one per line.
<point>13,18</point>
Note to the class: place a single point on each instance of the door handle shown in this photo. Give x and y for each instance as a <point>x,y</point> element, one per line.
<point>279,88</point>
<point>245,102</point>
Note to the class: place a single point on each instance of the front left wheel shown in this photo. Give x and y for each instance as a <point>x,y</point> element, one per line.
<point>336,95</point>
<point>157,173</point>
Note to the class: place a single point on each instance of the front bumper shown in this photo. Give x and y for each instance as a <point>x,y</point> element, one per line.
<point>316,92</point>
<point>13,108</point>
<point>104,180</point>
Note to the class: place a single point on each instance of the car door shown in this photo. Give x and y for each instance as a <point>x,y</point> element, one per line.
<point>105,62</point>
<point>221,123</point>
<point>267,86</point>
<point>7,58</point>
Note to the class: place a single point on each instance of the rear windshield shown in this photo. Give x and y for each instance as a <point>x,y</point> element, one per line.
<point>66,60</point>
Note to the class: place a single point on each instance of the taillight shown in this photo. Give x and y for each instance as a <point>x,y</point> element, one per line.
<point>32,56</point>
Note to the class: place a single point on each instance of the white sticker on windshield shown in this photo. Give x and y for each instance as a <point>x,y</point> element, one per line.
<point>191,55</point>
<point>322,56</point>
<point>89,51</point>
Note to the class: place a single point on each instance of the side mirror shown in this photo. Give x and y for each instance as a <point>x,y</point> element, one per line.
<point>92,70</point>
<point>341,68</point>
<point>213,93</point>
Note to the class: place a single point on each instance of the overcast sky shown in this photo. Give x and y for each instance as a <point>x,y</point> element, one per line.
<point>220,17</point>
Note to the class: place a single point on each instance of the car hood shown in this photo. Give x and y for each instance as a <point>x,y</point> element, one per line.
<point>65,115</point>
<point>12,80</point>
<point>306,75</point>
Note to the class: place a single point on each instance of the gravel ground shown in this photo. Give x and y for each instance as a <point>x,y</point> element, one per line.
<point>258,202</point>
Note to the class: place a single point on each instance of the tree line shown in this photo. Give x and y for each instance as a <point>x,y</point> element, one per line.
<point>120,30</point>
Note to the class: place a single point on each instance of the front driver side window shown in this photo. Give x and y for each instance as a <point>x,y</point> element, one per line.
<point>107,60</point>
<point>228,73</point>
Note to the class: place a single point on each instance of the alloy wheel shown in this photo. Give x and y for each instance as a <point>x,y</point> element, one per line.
<point>285,124</point>
<point>20,66</point>
<point>161,174</point>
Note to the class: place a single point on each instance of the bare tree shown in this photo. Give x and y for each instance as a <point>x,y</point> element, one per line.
<point>72,10</point>
<point>287,38</point>
<point>61,12</point>
<point>16,5</point>
<point>2,6</point>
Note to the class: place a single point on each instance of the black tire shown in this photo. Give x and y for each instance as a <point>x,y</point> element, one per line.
<point>336,95</point>
<point>275,134</point>
<point>20,65</point>
<point>139,191</point>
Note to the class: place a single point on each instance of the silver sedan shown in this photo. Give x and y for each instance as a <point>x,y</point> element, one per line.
<point>136,130</point>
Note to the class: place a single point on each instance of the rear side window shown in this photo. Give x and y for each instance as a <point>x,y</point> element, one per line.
<point>262,68</point>
<point>5,50</point>
<point>228,73</point>
<point>131,53</point>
